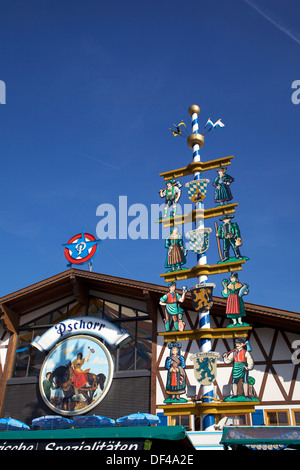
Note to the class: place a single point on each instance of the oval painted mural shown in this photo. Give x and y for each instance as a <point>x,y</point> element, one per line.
<point>76,375</point>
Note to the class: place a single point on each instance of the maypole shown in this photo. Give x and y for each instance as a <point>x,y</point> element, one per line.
<point>196,141</point>
<point>205,404</point>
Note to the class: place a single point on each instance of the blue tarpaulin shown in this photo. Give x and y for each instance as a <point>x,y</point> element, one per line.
<point>10,424</point>
<point>52,422</point>
<point>138,419</point>
<point>92,421</point>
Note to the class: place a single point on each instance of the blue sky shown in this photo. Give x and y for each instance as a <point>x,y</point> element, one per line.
<point>91,91</point>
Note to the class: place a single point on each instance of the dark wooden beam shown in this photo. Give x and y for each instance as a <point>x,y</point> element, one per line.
<point>151,304</point>
<point>9,319</point>
<point>80,291</point>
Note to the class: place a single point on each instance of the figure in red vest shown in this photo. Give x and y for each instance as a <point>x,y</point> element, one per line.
<point>171,302</point>
<point>242,361</point>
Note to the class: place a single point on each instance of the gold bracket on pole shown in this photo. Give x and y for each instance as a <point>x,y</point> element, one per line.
<point>214,407</point>
<point>197,166</point>
<point>203,270</point>
<point>197,214</point>
<point>206,333</point>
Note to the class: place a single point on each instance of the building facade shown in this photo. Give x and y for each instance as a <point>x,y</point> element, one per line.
<point>140,374</point>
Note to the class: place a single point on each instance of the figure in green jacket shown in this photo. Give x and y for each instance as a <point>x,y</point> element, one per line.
<point>229,232</point>
<point>171,193</point>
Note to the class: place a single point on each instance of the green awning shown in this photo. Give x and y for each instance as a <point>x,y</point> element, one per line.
<point>170,433</point>
<point>271,436</point>
<point>126,438</point>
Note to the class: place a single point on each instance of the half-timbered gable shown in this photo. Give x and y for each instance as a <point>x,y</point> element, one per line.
<point>140,375</point>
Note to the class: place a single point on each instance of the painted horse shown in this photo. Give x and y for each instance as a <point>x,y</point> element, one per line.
<point>62,377</point>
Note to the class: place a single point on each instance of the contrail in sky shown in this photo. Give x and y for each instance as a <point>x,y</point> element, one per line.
<point>282,28</point>
<point>98,160</point>
<point>95,159</point>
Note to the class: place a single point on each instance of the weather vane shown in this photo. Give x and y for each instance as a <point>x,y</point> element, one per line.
<point>209,126</point>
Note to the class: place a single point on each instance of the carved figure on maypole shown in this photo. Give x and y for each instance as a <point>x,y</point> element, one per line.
<point>176,255</point>
<point>233,291</point>
<point>172,309</point>
<point>242,360</point>
<point>176,377</point>
<point>171,193</point>
<point>230,233</point>
<point>222,184</point>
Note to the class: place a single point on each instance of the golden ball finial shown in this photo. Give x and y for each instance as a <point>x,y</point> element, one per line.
<point>194,139</point>
<point>194,109</point>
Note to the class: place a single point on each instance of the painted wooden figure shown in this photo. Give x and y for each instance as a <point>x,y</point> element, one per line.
<point>172,194</point>
<point>222,184</point>
<point>176,256</point>
<point>230,233</point>
<point>233,291</point>
<point>172,309</point>
<point>176,377</point>
<point>241,359</point>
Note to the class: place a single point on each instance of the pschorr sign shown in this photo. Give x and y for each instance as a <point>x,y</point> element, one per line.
<point>92,325</point>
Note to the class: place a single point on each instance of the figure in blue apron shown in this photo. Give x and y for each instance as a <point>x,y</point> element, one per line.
<point>176,377</point>
<point>222,184</point>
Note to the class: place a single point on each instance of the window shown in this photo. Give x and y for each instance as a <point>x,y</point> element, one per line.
<point>134,356</point>
<point>277,418</point>
<point>180,420</point>
<point>296,417</point>
<point>237,420</point>
<point>111,311</point>
<point>137,354</point>
<point>144,344</point>
<point>232,420</point>
<point>28,361</point>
